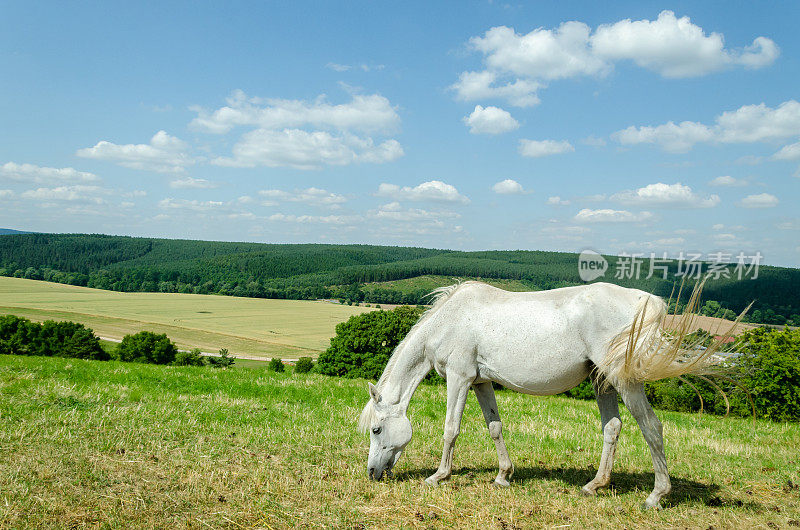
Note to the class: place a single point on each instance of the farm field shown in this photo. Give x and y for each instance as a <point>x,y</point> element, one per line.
<point>115,445</point>
<point>429,282</point>
<point>253,326</point>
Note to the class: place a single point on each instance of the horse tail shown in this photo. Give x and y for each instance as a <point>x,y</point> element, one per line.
<point>644,351</point>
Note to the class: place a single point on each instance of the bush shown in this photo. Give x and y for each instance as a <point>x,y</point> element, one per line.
<point>20,336</point>
<point>276,365</point>
<point>223,361</point>
<point>146,347</point>
<point>303,365</point>
<point>189,358</point>
<point>362,345</point>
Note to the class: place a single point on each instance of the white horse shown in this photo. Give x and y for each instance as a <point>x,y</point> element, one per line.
<point>541,343</point>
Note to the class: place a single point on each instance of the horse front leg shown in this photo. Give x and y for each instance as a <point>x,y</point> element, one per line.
<point>610,426</point>
<point>457,389</point>
<point>485,394</point>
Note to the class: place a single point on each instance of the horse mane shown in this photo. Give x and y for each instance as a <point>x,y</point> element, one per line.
<point>438,297</point>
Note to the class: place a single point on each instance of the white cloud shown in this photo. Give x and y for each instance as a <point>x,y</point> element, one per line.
<point>509,187</point>
<point>32,174</point>
<point>6,194</point>
<point>434,190</point>
<point>191,205</point>
<point>666,195</point>
<point>324,219</point>
<point>300,149</point>
<point>788,152</point>
<point>490,120</point>
<point>365,113</point>
<point>337,67</point>
<point>747,124</point>
<point>675,47</point>
<point>539,148</point>
<point>518,65</point>
<point>393,211</point>
<point>761,200</point>
<point>557,201</point>
<point>164,153</point>
<point>473,86</point>
<point>192,183</point>
<point>727,181</point>
<point>315,196</point>
<point>73,193</point>
<point>670,137</point>
<point>611,216</point>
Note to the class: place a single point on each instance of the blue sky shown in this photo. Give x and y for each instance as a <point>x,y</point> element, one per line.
<point>634,128</point>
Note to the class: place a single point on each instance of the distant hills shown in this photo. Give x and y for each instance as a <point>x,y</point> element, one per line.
<point>6,231</point>
<point>354,273</point>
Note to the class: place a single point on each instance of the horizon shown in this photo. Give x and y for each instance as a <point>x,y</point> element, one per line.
<point>632,128</point>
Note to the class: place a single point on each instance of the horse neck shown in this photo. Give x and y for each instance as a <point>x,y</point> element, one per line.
<point>408,371</point>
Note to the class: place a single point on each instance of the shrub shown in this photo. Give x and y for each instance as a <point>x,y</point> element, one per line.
<point>362,345</point>
<point>147,347</point>
<point>303,365</point>
<point>189,358</point>
<point>223,361</point>
<point>20,336</point>
<point>276,365</point>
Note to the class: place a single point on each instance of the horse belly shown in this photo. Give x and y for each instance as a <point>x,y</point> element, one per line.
<point>537,376</point>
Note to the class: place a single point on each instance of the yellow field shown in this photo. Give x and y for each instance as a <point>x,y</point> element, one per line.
<point>252,326</point>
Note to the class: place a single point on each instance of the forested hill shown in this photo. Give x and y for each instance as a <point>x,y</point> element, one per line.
<point>343,271</point>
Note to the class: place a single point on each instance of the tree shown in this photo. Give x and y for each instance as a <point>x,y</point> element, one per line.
<point>193,357</point>
<point>303,365</point>
<point>147,347</point>
<point>276,365</point>
<point>362,345</point>
<point>223,361</point>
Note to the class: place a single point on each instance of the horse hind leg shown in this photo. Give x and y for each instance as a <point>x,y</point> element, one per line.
<point>485,394</point>
<point>611,426</point>
<point>636,401</point>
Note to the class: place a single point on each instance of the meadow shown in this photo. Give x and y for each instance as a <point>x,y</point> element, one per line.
<point>252,326</point>
<point>115,445</point>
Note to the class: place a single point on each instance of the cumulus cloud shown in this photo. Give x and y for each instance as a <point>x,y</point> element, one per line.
<point>727,181</point>
<point>32,174</point>
<point>434,191</point>
<point>508,187</point>
<point>788,152</point>
<point>539,148</point>
<point>490,120</point>
<point>300,149</point>
<point>665,196</point>
<point>365,113</point>
<point>761,200</point>
<point>164,153</point>
<point>309,219</point>
<point>557,201</point>
<point>747,124</point>
<point>72,193</point>
<point>606,215</point>
<point>314,196</point>
<point>191,205</point>
<point>192,183</point>
<point>518,65</point>
<point>6,194</point>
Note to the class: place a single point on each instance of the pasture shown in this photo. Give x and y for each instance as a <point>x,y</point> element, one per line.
<point>115,445</point>
<point>253,326</point>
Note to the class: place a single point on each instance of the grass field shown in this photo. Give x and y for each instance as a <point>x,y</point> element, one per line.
<point>254,326</point>
<point>114,445</point>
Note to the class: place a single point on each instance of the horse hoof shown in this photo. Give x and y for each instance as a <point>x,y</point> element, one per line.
<point>586,492</point>
<point>500,483</point>
<point>432,482</point>
<point>646,507</point>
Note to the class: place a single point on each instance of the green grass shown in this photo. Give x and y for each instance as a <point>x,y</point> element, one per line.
<point>254,326</point>
<point>114,445</point>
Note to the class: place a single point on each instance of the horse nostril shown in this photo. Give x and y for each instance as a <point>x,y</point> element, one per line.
<point>372,473</point>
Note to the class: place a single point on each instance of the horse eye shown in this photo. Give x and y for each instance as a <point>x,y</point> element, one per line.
<point>376,431</point>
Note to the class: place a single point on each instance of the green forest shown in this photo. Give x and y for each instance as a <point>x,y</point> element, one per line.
<point>352,273</point>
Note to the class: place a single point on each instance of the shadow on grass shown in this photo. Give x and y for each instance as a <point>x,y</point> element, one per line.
<point>684,490</point>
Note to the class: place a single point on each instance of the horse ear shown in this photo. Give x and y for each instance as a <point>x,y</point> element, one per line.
<point>373,392</point>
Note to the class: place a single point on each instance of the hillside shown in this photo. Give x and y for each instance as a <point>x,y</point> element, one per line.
<point>350,272</point>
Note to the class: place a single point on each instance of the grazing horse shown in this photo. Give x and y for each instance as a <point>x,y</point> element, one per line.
<point>540,343</point>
